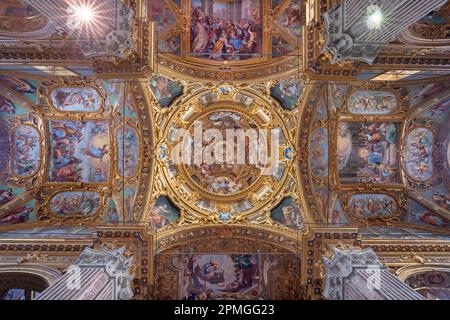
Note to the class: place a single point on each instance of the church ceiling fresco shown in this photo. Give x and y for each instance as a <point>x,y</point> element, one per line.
<point>90,148</point>
<point>224,192</point>
<point>237,39</point>
<point>73,151</point>
<point>391,166</point>
<point>191,272</point>
<point>117,152</point>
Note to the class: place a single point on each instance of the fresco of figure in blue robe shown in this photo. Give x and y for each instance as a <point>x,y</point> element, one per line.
<point>287,92</point>
<point>112,214</point>
<point>163,213</point>
<point>288,214</point>
<point>165,90</point>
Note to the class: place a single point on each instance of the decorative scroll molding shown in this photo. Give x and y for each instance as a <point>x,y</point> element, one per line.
<point>341,266</point>
<point>342,45</point>
<point>358,274</point>
<point>116,265</point>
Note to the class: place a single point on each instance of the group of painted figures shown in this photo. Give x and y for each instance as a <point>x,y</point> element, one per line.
<point>217,38</point>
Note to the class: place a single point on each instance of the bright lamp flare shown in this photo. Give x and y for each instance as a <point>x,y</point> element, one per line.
<point>374,17</point>
<point>84,12</point>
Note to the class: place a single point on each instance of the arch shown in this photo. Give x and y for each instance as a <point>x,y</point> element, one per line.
<point>432,281</point>
<point>226,263</point>
<point>27,278</point>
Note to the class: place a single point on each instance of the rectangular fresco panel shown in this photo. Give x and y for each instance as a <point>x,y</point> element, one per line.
<point>79,151</point>
<point>75,203</point>
<point>211,277</point>
<point>226,30</point>
<point>128,151</point>
<point>76,99</point>
<point>419,154</point>
<point>367,206</point>
<point>372,102</point>
<point>26,151</point>
<point>367,152</point>
<point>319,152</point>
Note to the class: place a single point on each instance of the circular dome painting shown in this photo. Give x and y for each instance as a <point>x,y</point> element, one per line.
<point>225,152</point>
<point>231,166</point>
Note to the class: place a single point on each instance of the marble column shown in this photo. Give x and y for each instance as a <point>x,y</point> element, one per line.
<point>97,275</point>
<point>359,275</point>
